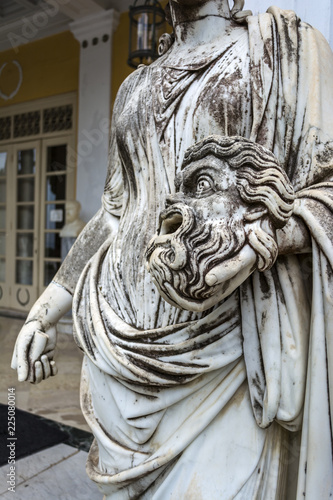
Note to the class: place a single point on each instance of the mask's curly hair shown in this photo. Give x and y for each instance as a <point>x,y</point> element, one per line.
<point>260,181</point>
<point>260,178</point>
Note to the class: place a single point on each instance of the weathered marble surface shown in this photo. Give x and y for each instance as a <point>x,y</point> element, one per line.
<point>214,391</point>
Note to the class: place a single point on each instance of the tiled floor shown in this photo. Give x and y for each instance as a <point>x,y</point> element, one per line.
<point>57,473</point>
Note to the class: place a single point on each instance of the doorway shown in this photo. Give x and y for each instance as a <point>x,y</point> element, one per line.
<point>35,182</point>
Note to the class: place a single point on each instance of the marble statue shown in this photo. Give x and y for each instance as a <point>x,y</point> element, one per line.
<point>203,287</point>
<point>72,228</point>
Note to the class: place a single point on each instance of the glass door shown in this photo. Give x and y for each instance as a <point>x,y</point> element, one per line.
<point>36,179</point>
<point>26,173</point>
<point>5,155</point>
<point>57,187</point>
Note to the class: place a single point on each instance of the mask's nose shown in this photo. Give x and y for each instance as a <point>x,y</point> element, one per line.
<point>171,199</point>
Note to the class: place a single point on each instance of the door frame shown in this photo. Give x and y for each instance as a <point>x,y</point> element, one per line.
<point>23,296</point>
<point>9,290</point>
<point>5,291</point>
<point>70,172</point>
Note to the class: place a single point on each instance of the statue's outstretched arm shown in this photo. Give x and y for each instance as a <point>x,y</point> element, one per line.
<point>35,344</point>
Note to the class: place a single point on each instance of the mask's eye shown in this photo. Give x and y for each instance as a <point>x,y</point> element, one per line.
<point>205,185</point>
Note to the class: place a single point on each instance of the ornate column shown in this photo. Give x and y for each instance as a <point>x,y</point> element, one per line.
<point>94,32</point>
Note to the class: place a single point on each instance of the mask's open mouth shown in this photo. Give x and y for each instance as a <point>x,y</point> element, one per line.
<point>170,221</point>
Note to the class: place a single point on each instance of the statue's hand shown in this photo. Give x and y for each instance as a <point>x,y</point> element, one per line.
<point>34,351</point>
<point>232,272</point>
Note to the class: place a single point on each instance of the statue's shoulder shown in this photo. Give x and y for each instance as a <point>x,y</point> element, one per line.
<point>282,18</point>
<point>289,25</point>
<point>291,19</point>
<point>129,85</point>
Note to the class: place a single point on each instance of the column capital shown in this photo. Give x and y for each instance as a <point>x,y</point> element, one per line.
<point>95,25</point>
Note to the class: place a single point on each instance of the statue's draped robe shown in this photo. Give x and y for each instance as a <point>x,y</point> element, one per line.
<point>186,405</point>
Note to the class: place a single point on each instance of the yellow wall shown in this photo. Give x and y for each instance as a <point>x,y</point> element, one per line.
<point>49,66</point>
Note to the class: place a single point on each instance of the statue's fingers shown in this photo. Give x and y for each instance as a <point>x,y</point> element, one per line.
<point>50,354</point>
<point>221,273</point>
<point>38,372</point>
<point>46,366</point>
<point>38,345</point>
<point>54,368</point>
<point>22,360</point>
<point>13,363</point>
<point>228,269</point>
<point>29,350</point>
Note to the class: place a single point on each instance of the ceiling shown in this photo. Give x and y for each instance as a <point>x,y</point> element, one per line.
<point>23,21</point>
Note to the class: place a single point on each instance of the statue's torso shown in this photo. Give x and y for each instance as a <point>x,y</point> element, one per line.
<point>169,110</point>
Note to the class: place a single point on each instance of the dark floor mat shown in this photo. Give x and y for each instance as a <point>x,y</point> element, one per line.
<point>34,433</point>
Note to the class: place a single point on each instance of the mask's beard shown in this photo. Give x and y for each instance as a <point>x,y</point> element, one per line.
<point>183,259</point>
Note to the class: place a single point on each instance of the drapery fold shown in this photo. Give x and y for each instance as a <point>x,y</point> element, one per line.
<point>287,340</point>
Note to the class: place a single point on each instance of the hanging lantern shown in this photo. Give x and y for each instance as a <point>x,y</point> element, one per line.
<point>147,24</point>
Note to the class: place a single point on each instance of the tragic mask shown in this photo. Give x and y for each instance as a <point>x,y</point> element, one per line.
<point>220,225</point>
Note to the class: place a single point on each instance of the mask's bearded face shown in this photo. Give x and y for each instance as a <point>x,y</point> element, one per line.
<point>203,226</point>
<point>220,226</point>
<point>179,261</point>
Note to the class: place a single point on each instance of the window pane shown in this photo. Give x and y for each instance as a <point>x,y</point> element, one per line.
<point>2,191</point>
<point>52,245</point>
<point>2,243</point>
<point>2,270</point>
<point>25,217</point>
<point>26,161</point>
<point>56,158</point>
<point>50,269</point>
<point>3,160</point>
<point>55,216</point>
<point>56,187</point>
<point>26,189</point>
<point>24,245</point>
<point>2,218</point>
<point>24,272</point>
